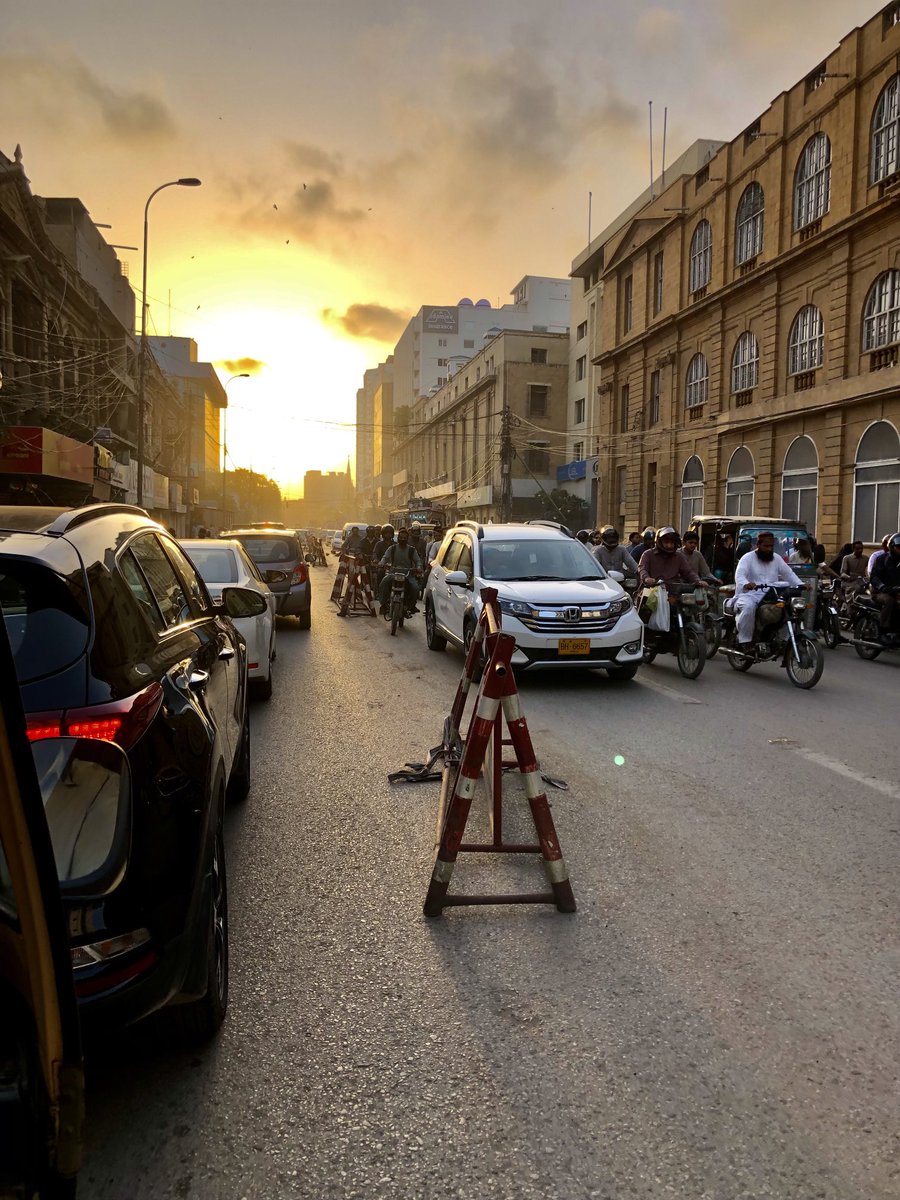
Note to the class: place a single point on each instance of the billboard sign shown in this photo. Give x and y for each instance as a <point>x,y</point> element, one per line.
<point>440,320</point>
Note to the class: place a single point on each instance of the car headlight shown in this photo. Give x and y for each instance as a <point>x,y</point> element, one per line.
<point>515,608</point>
<point>620,606</point>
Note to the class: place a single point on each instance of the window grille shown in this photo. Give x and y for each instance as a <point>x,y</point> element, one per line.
<point>654,397</point>
<point>745,364</point>
<point>658,268</point>
<point>697,390</point>
<point>628,304</point>
<point>750,215</point>
<point>701,257</point>
<point>881,316</point>
<point>812,190</point>
<point>886,133</point>
<point>806,343</point>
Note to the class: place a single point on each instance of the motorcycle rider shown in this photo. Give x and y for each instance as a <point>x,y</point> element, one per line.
<point>754,571</point>
<point>885,583</point>
<point>401,554</point>
<point>583,536</point>
<point>663,564</point>
<point>353,542</point>
<point>647,542</point>
<point>854,565</point>
<point>386,539</point>
<point>690,548</point>
<point>437,537</point>
<point>416,540</point>
<point>612,556</point>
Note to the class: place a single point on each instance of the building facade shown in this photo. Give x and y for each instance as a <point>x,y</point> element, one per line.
<point>749,356</point>
<point>513,394</point>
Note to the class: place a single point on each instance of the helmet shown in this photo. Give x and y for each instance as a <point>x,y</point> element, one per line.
<point>387,531</point>
<point>583,535</point>
<point>663,532</point>
<point>893,542</point>
<point>649,533</point>
<point>416,526</point>
<point>609,535</point>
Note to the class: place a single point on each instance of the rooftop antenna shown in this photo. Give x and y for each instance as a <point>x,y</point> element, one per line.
<point>665,123</point>
<point>650,103</point>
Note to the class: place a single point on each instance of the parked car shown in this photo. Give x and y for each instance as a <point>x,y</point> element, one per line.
<point>555,598</point>
<point>223,563</point>
<point>337,540</point>
<point>115,637</point>
<point>280,552</point>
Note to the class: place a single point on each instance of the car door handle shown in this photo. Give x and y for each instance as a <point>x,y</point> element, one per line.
<point>226,652</point>
<point>197,680</point>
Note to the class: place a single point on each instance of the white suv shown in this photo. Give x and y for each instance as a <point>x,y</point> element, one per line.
<point>556,599</point>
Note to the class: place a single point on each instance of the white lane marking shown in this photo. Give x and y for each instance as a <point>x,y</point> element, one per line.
<point>839,768</point>
<point>672,693</point>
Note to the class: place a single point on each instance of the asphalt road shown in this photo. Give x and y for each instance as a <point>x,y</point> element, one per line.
<point>718,1020</point>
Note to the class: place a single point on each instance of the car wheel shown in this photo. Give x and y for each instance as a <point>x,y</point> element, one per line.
<point>433,639</point>
<point>199,1020</point>
<point>627,671</point>
<point>263,687</point>
<point>239,783</point>
<point>468,635</point>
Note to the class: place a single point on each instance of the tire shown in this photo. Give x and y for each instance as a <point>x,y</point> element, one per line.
<point>866,629</point>
<point>239,783</point>
<point>831,630</point>
<point>628,671</point>
<point>805,671</point>
<point>264,687</point>
<point>433,639</point>
<point>199,1020</point>
<point>739,664</point>
<point>304,619</point>
<point>691,653</point>
<point>396,616</point>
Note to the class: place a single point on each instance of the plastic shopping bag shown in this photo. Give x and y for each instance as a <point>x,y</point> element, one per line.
<point>659,617</point>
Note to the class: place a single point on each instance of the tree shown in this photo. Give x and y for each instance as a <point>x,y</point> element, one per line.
<point>562,506</point>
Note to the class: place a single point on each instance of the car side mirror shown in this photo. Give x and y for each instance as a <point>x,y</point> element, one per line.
<point>276,576</point>
<point>86,788</point>
<point>457,579</point>
<point>616,575</point>
<point>242,602</point>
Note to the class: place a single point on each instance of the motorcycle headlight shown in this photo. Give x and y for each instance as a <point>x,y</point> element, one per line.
<point>515,608</point>
<point>798,604</point>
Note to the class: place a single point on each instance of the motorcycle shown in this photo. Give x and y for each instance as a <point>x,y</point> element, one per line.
<point>686,636</point>
<point>827,618</point>
<point>867,636</point>
<point>778,634</point>
<point>398,609</point>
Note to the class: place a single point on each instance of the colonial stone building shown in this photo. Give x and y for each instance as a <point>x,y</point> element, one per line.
<point>749,342</point>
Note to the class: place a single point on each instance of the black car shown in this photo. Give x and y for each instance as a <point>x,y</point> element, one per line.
<point>114,636</point>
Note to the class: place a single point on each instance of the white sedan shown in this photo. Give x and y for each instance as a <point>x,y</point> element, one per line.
<point>221,563</point>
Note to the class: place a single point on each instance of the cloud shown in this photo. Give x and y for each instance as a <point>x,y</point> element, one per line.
<point>313,159</point>
<point>373,322</point>
<point>658,30</point>
<point>237,366</point>
<point>64,91</point>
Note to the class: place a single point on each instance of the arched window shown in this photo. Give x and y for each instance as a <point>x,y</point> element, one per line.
<point>697,390</point>
<point>800,483</point>
<point>739,487</point>
<point>886,132</point>
<point>693,485</point>
<point>881,316</point>
<point>745,363</point>
<point>806,343</point>
<point>701,257</point>
<point>812,187</point>
<point>876,500</point>
<point>749,232</point>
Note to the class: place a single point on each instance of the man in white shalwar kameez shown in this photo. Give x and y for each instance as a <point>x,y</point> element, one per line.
<point>759,566</point>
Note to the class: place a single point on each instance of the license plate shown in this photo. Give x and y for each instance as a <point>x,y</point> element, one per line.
<point>574,646</point>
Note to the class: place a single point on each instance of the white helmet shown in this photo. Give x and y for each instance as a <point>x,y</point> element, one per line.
<point>416,525</point>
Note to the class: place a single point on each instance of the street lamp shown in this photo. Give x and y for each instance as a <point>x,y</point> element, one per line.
<point>243,375</point>
<point>143,345</point>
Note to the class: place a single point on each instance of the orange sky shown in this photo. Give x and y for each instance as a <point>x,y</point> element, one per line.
<point>361,158</point>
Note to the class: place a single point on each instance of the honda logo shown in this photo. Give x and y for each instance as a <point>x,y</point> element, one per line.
<point>571,614</point>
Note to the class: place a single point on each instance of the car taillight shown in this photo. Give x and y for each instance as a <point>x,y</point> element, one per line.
<point>122,721</point>
<point>300,574</point>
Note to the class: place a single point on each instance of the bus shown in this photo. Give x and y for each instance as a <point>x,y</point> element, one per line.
<point>423,511</point>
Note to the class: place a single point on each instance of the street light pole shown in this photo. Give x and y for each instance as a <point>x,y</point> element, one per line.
<point>243,375</point>
<point>142,359</point>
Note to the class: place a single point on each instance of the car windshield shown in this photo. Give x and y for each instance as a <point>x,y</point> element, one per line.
<point>524,559</point>
<point>785,539</point>
<point>271,549</point>
<point>47,627</point>
<point>217,565</point>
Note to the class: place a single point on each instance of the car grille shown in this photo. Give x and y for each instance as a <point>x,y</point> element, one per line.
<point>558,625</point>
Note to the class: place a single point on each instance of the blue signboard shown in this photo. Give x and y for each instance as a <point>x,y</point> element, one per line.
<point>572,471</point>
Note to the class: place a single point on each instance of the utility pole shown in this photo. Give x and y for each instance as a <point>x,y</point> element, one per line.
<point>506,457</point>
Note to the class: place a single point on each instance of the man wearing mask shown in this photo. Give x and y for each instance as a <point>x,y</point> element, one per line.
<point>885,581</point>
<point>400,554</point>
<point>756,571</point>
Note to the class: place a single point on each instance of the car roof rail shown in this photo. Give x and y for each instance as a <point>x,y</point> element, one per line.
<point>80,516</point>
<point>474,525</point>
<point>552,525</point>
